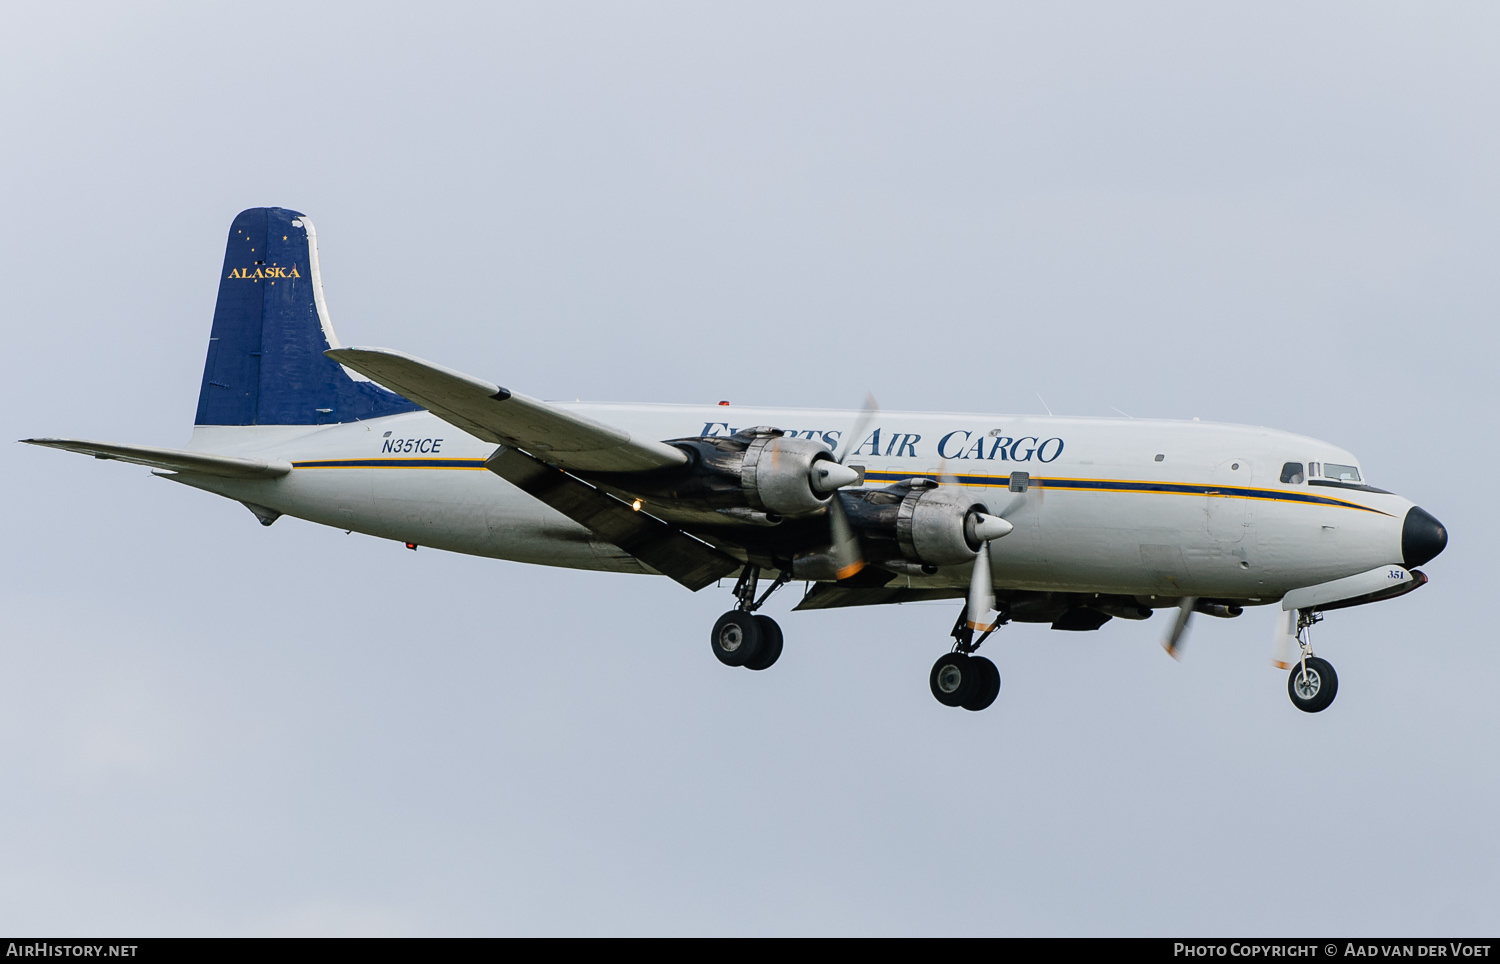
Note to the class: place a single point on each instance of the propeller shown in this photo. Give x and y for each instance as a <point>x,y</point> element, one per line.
<point>1281,643</point>
<point>832,475</point>
<point>1178,634</point>
<point>1186,606</point>
<point>983,528</point>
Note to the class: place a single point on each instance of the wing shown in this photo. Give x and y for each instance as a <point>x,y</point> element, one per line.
<point>660,545</point>
<point>826,595</point>
<point>171,460</point>
<point>487,411</point>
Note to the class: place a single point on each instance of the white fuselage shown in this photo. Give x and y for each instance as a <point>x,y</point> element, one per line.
<point>1131,506</point>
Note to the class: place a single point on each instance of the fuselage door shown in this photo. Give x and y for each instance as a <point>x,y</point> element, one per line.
<point>1227,506</point>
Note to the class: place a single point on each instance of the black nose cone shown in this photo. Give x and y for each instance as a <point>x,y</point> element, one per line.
<point>1422,537</point>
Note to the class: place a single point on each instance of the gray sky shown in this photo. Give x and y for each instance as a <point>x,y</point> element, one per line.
<point>1276,214</point>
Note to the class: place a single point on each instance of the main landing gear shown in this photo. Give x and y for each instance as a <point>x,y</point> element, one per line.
<point>960,678</point>
<point>743,637</point>
<point>1313,684</point>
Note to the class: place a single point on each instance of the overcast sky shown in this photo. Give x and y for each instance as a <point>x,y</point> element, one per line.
<point>1280,214</point>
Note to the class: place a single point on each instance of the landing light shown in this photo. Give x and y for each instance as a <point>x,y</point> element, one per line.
<point>636,505</point>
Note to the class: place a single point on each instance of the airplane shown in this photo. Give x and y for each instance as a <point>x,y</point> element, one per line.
<point>1060,520</point>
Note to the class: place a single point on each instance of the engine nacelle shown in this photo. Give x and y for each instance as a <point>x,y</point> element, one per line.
<point>938,526</point>
<point>757,475</point>
<point>777,474</point>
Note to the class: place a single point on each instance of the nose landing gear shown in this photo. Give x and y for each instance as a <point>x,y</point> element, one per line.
<point>1313,684</point>
<point>742,637</point>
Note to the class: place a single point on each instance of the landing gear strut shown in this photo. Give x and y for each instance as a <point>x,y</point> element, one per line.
<point>960,678</point>
<point>1313,684</point>
<point>743,637</point>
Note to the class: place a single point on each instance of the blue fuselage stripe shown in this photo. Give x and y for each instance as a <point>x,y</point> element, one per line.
<point>973,481</point>
<point>1118,485</point>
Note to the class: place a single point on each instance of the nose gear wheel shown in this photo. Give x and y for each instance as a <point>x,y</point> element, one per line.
<point>1312,685</point>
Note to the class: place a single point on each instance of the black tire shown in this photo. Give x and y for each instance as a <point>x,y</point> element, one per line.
<point>770,644</point>
<point>1313,693</point>
<point>736,638</point>
<point>954,679</point>
<point>989,684</point>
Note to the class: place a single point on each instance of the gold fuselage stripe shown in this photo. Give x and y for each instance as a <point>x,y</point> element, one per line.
<point>1135,486</point>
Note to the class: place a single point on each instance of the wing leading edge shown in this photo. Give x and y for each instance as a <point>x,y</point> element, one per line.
<point>487,411</point>
<point>541,445</point>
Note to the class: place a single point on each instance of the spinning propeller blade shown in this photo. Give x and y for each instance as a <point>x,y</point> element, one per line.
<point>862,422</point>
<point>848,559</point>
<point>1281,643</point>
<point>843,544</point>
<point>1174,639</point>
<point>981,592</point>
<point>983,528</point>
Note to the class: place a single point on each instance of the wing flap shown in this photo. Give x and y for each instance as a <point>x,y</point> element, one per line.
<point>663,547</point>
<point>487,411</point>
<point>171,460</point>
<point>827,595</point>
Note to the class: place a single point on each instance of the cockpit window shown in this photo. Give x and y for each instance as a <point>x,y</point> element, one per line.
<point>1292,473</point>
<point>1340,473</point>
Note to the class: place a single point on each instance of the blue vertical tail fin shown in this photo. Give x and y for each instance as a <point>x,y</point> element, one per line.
<point>265,361</point>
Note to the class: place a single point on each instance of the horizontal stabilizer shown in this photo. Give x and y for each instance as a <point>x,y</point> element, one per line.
<point>172,460</point>
<point>663,547</point>
<point>487,411</point>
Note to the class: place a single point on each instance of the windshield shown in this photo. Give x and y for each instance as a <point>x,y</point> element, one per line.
<point>1340,473</point>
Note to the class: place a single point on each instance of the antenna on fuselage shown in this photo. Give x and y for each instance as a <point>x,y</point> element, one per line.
<point>1043,401</point>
